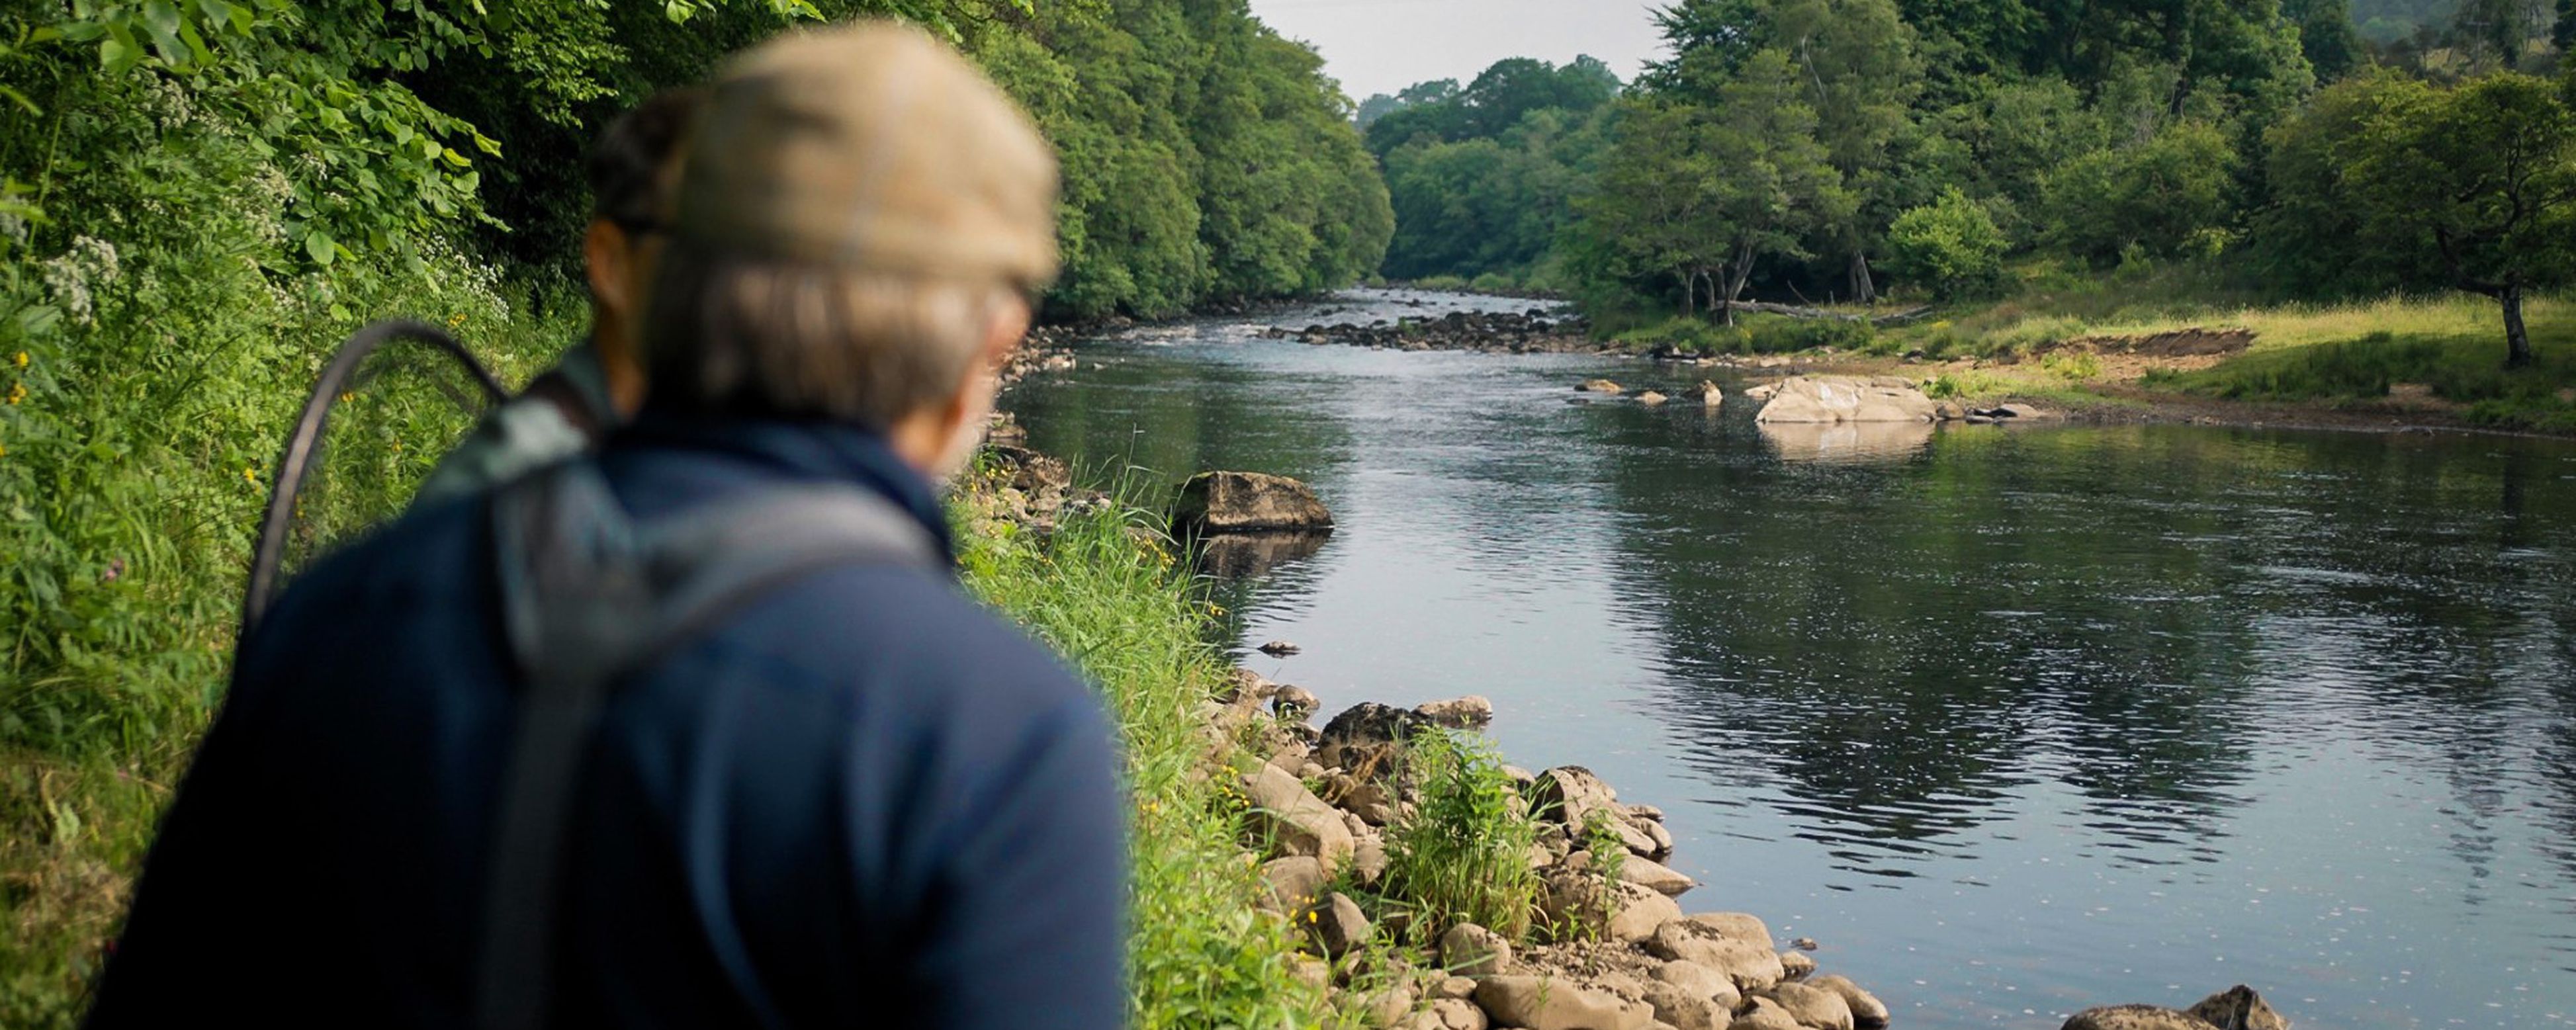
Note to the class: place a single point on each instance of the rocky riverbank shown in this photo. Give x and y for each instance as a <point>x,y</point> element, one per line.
<point>1532,332</point>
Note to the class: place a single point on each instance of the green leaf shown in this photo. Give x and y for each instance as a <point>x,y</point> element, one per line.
<point>117,53</point>
<point>454,158</point>
<point>197,48</point>
<point>20,99</point>
<point>161,22</point>
<point>487,144</point>
<point>319,246</point>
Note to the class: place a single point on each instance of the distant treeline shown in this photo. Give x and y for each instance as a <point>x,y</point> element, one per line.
<point>1835,150</point>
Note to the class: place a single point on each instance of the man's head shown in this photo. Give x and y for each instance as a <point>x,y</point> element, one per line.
<point>861,222</point>
<point>634,168</point>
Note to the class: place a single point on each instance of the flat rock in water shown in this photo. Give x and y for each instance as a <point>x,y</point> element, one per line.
<point>2239,1008</point>
<point>1655,876</point>
<point>1248,502</point>
<point>1279,649</point>
<point>1458,713</point>
<point>1650,398</point>
<point>1836,399</point>
<point>2136,1017</point>
<point>1601,386</point>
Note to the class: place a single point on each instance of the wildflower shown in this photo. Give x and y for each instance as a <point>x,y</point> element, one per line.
<point>346,396</point>
<point>17,392</point>
<point>250,475</point>
<point>455,320</point>
<point>21,359</point>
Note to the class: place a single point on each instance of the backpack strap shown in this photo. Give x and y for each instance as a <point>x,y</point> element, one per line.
<point>590,598</point>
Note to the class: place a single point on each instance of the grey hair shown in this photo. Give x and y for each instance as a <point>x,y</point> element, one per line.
<point>733,335</point>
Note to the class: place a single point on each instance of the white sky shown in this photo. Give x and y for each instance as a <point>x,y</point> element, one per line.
<point>1381,46</point>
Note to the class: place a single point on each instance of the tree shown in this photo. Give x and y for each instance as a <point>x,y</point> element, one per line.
<point>2486,171</point>
<point>2169,196</point>
<point>2313,238</point>
<point>1951,246</point>
<point>2326,36</point>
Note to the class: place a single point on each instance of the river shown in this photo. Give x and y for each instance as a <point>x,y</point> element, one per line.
<point>2013,720</point>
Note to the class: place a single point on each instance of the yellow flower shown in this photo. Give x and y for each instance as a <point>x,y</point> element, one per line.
<point>455,320</point>
<point>17,392</point>
<point>21,359</point>
<point>346,396</point>
<point>250,475</point>
<point>4,450</point>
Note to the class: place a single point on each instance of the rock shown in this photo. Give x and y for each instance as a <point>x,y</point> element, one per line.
<point>1471,950</point>
<point>1389,1007</point>
<point>1649,813</point>
<point>1949,411</point>
<point>1459,987</point>
<point>1709,394</point>
<point>1311,971</point>
<point>1296,821</point>
<point>1657,843</point>
<point>1765,1015</point>
<point>1295,881</point>
<point>1805,944</point>
<point>1365,738</point>
<point>1453,1014</point>
<point>1368,859</point>
<point>1279,649</point>
<point>1651,399</point>
<point>1763,392</point>
<point>1458,713</point>
<point>1294,703</point>
<point>1359,828</point>
<point>1701,981</point>
<point>1580,902</point>
<point>1291,755</point>
<point>2027,412</point>
<point>1247,502</point>
<point>1310,769</point>
<point>1654,876</point>
<point>1569,794</point>
<point>1742,926</point>
<point>1683,1008</point>
<point>1832,399</point>
<point>2136,1017</point>
<point>1336,925</point>
<point>1795,965</point>
<point>1866,1009</point>
<point>1601,386</point>
<point>1813,1007</point>
<point>1751,965</point>
<point>1539,1003</point>
<point>2239,1008</point>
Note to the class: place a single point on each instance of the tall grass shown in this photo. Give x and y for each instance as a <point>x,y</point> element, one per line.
<point>1462,855</point>
<point>1107,595</point>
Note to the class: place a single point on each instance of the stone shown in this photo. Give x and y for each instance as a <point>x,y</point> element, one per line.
<point>1290,756</point>
<point>1833,399</point>
<point>1658,840</point>
<point>1765,1015</point>
<point>1336,925</point>
<point>1295,820</point>
<point>1796,965</point>
<point>1581,903</point>
<point>1649,813</point>
<point>1248,502</point>
<point>2136,1017</point>
<point>1471,950</point>
<point>1684,1009</point>
<point>1751,965</point>
<point>1459,987</point>
<point>1763,392</point>
<point>1569,794</point>
<point>1701,981</point>
<point>1295,881</point>
<point>2028,412</point>
<point>1742,926</point>
<point>1279,649</point>
<point>1457,1014</point>
<point>1655,876</point>
<point>1805,944</point>
<point>1311,971</point>
<point>1389,1007</point>
<point>2239,1008</point>
<point>1293,703</point>
<point>1651,399</point>
<point>1709,394</point>
<point>1540,1003</point>
<point>1368,859</point>
<point>1866,1009</point>
<point>1366,739</point>
<point>1601,386</point>
<point>1359,828</point>
<point>1458,713</point>
<point>1813,1007</point>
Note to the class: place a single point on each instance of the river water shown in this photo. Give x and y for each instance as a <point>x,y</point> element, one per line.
<point>2013,721</point>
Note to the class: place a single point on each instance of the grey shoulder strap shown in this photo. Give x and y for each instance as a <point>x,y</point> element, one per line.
<point>588,598</point>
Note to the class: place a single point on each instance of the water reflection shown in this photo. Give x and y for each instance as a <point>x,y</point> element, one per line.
<point>1847,441</point>
<point>2311,696</point>
<point>1239,555</point>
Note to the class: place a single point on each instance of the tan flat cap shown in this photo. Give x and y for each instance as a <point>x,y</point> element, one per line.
<point>870,146</point>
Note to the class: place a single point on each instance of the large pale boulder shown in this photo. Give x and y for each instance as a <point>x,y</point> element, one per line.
<point>1295,881</point>
<point>1336,925</point>
<point>1685,1009</point>
<point>1569,794</point>
<point>1751,965</point>
<point>1866,1009</point>
<point>2136,1017</point>
<point>1296,821</point>
<point>1583,903</point>
<point>1742,926</point>
<point>1701,981</point>
<point>1765,1015</point>
<point>1654,876</point>
<point>1458,713</point>
<point>1248,502</point>
<point>1828,399</point>
<point>1813,1007</point>
<point>1471,950</point>
<point>1541,1003</point>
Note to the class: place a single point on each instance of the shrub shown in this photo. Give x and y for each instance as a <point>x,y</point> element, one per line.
<point>1494,282</point>
<point>1951,246</point>
<point>1463,855</point>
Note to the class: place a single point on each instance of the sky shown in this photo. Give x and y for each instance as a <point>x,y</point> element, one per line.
<point>1381,46</point>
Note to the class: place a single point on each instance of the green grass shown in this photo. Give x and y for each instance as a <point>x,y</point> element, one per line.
<point>1463,855</point>
<point>2463,370</point>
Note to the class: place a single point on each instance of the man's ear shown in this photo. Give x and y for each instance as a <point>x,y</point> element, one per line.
<point>605,253</point>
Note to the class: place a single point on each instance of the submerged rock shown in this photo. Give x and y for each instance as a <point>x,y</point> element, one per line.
<point>1248,502</point>
<point>1830,399</point>
<point>1279,649</point>
<point>1651,399</point>
<point>1601,386</point>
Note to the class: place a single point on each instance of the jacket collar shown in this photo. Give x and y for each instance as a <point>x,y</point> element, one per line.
<point>805,451</point>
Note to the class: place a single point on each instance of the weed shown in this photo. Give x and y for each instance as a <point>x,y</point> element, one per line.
<point>1462,854</point>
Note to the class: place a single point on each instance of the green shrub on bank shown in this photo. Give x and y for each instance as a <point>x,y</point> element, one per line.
<point>1752,334</point>
<point>1463,854</point>
<point>1201,954</point>
<point>2461,370</point>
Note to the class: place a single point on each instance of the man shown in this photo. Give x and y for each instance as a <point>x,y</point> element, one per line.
<point>599,383</point>
<point>847,797</point>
